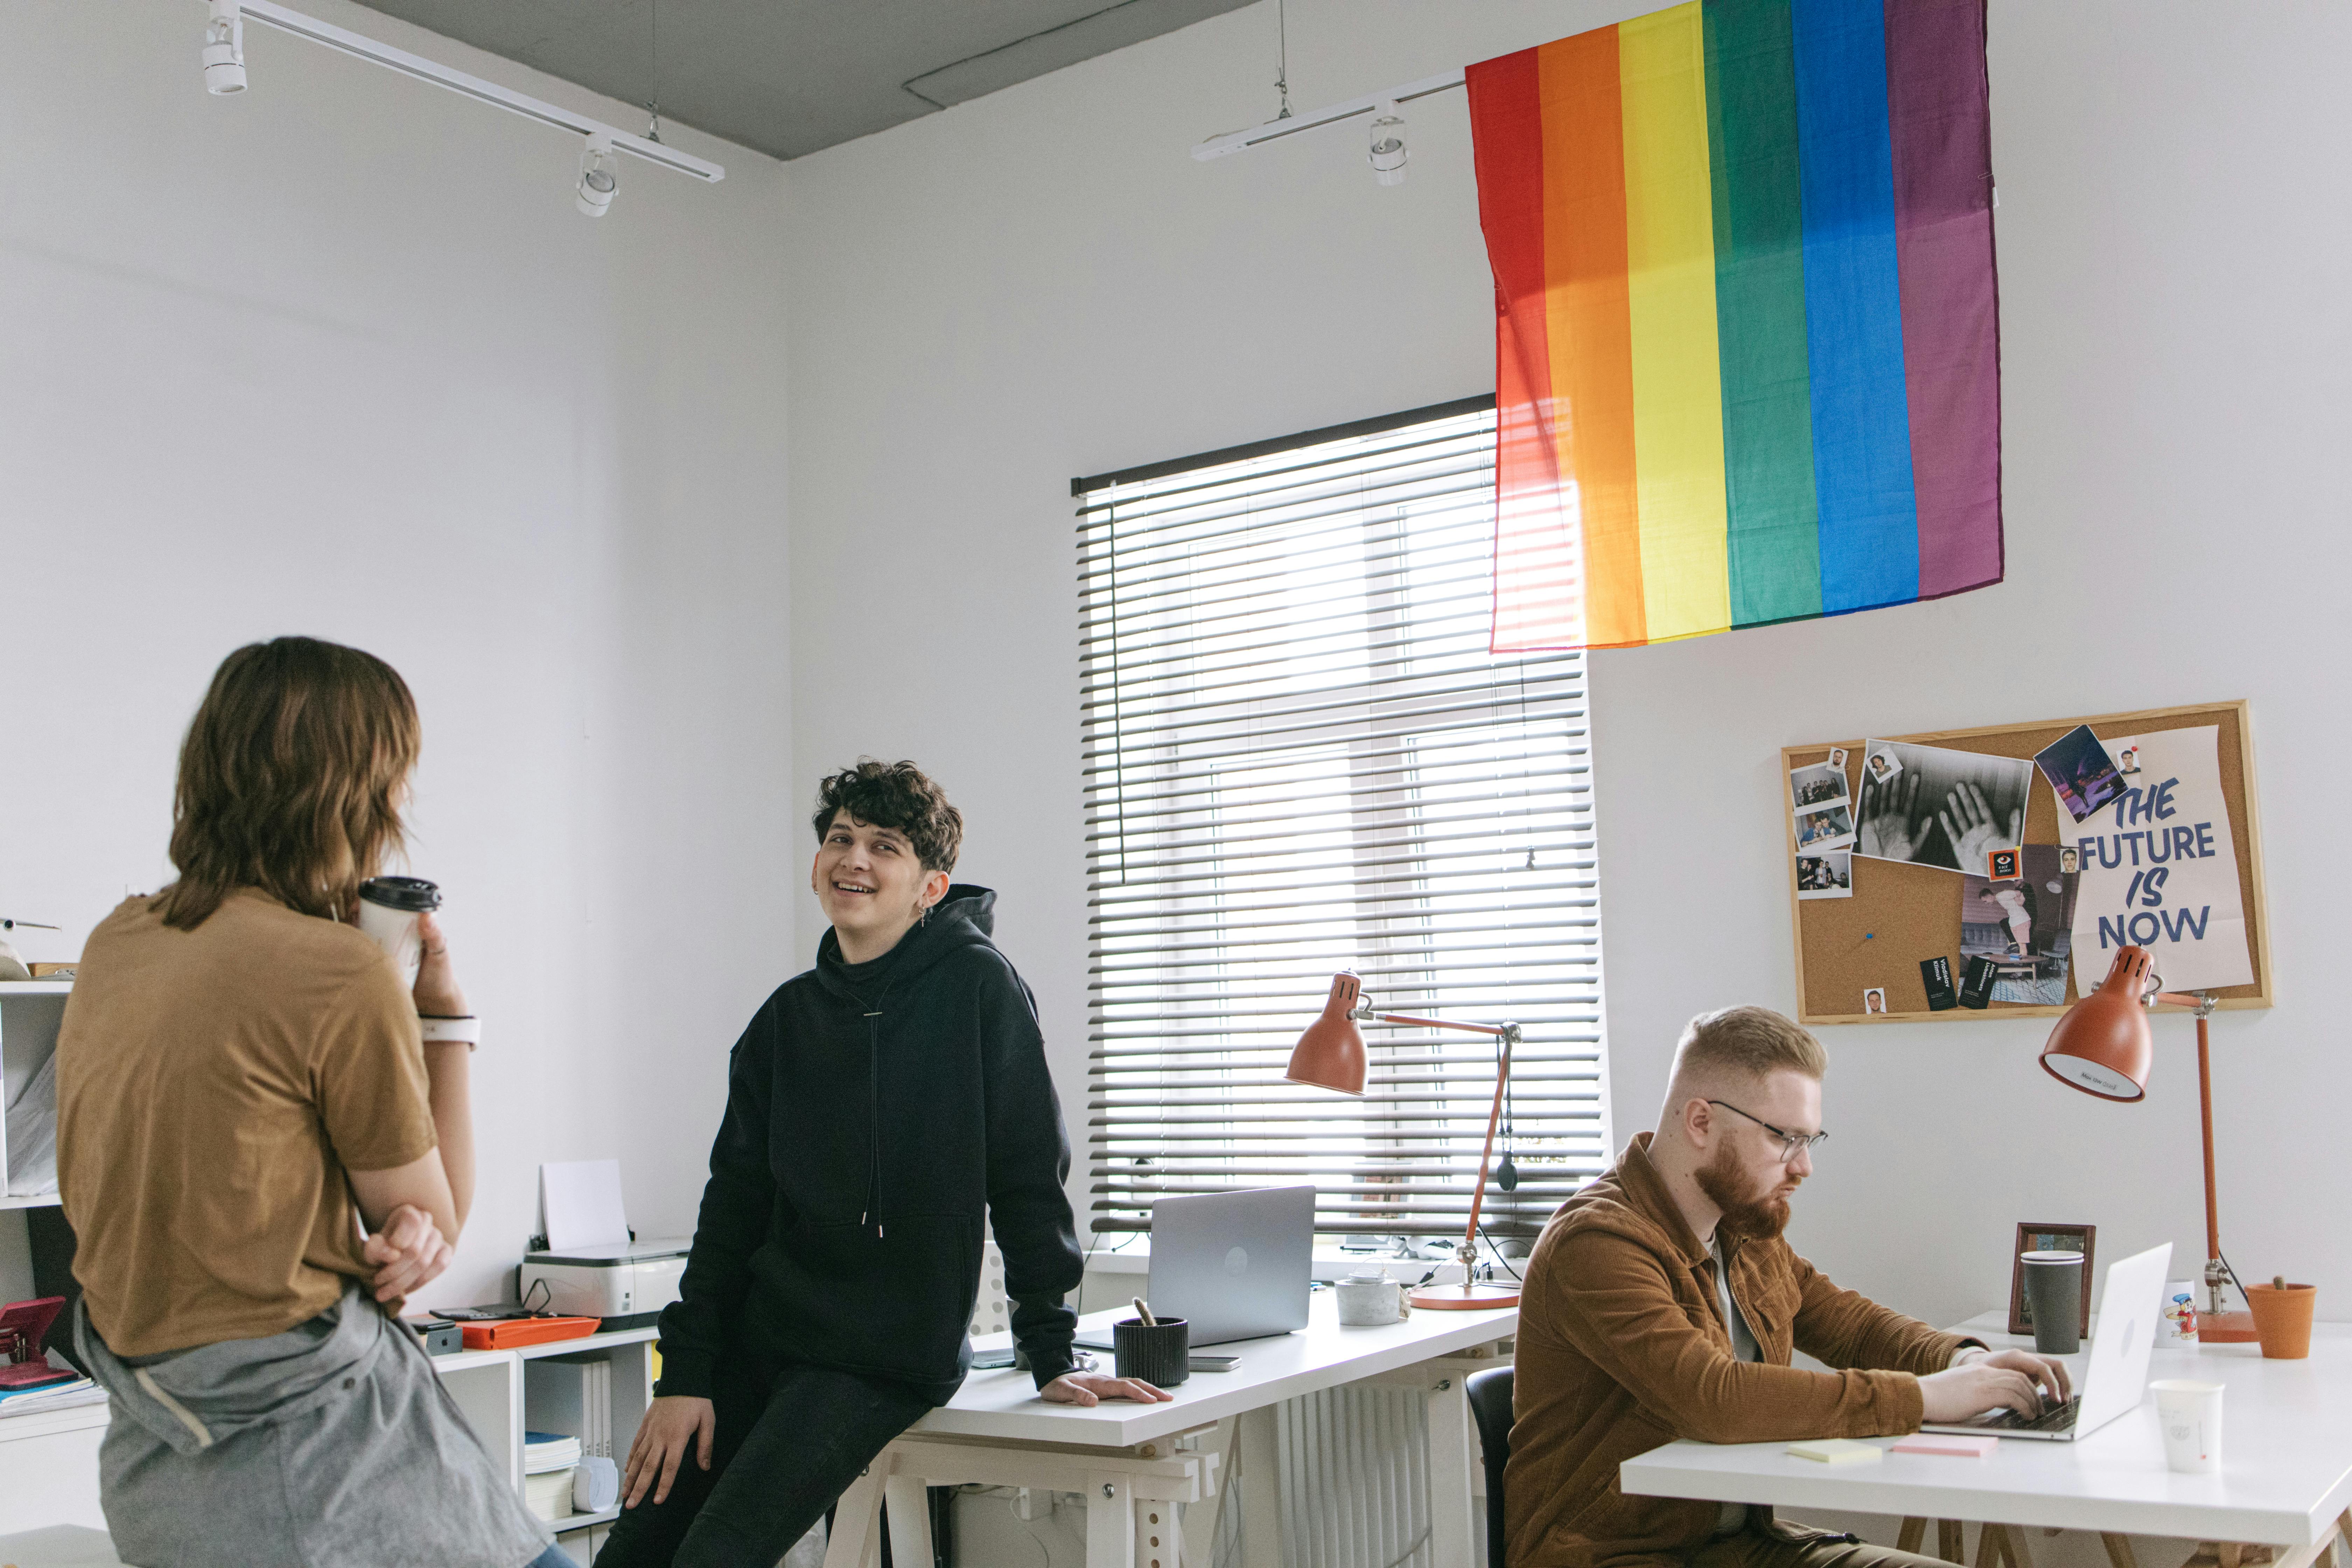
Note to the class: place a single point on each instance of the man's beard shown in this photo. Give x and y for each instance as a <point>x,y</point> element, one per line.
<point>1744,1215</point>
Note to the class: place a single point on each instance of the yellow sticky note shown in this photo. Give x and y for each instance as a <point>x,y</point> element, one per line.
<point>1836,1451</point>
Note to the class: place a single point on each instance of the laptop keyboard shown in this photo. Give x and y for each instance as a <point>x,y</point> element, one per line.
<point>2053,1419</point>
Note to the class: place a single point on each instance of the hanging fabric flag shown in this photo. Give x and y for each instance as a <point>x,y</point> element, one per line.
<point>1747,341</point>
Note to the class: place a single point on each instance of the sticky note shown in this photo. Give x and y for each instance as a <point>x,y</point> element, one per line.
<point>1954,1445</point>
<point>1836,1451</point>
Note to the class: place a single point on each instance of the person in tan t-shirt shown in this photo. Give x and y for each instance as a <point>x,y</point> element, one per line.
<point>243,1085</point>
<point>217,1086</point>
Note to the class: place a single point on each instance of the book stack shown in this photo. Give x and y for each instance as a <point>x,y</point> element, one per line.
<point>62,1394</point>
<point>548,1460</point>
<point>572,1394</point>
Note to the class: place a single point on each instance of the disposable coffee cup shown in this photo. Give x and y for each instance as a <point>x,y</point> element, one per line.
<point>2190,1415</point>
<point>2053,1294</point>
<point>1160,1353</point>
<point>388,910</point>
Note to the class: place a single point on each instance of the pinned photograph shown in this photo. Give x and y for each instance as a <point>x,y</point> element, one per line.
<point>1825,827</point>
<point>1933,807</point>
<point>2079,769</point>
<point>1817,784</point>
<point>2022,926</point>
<point>2128,762</point>
<point>2069,860</point>
<point>2000,864</point>
<point>1829,876</point>
<point>1837,758</point>
<point>1875,999</point>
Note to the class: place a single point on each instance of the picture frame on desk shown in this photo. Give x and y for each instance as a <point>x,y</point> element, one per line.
<point>2039,1236</point>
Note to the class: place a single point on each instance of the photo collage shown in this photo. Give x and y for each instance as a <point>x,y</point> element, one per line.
<point>1962,812</point>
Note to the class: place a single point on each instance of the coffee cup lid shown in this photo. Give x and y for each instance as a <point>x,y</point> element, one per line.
<point>2051,1256</point>
<point>409,894</point>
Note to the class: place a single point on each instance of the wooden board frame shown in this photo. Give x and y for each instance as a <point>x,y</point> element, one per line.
<point>1836,962</point>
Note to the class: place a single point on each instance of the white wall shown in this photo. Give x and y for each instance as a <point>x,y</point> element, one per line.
<point>338,357</point>
<point>1043,283</point>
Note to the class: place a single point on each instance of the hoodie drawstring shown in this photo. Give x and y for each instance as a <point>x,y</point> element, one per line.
<point>873,1125</point>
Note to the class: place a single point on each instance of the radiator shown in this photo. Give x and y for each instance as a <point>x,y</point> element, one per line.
<point>1355,1481</point>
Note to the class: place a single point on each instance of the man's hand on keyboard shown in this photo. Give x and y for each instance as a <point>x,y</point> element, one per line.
<point>2048,1373</point>
<point>1979,1386</point>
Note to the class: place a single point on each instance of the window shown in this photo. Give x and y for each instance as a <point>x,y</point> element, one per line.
<point>1301,757</point>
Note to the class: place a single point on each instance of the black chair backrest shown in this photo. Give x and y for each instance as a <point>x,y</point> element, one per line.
<point>1490,1407</point>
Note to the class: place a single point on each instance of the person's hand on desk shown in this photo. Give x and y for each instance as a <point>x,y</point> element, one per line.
<point>1093,1388</point>
<point>673,1424</point>
<point>1979,1380</point>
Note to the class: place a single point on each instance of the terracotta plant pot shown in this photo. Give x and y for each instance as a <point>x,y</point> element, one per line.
<point>2282,1318</point>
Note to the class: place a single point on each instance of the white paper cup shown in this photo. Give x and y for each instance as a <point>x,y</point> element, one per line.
<point>2190,1415</point>
<point>388,910</point>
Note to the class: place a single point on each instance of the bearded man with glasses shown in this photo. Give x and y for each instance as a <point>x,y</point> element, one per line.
<point>1663,1302</point>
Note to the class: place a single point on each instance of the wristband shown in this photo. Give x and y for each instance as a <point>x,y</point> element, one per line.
<point>466,1029</point>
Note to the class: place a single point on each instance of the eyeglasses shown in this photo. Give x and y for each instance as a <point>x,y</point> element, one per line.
<point>1790,1142</point>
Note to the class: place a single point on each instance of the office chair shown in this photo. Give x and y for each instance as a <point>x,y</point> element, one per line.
<point>1489,1393</point>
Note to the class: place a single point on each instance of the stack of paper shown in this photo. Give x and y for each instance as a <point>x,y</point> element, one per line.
<point>548,1461</point>
<point>51,1397</point>
<point>549,1496</point>
<point>547,1451</point>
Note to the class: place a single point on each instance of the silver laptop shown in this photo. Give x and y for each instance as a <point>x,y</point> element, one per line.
<point>2115,1374</point>
<point>1233,1266</point>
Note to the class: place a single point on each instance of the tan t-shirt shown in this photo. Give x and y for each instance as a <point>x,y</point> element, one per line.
<point>213,1087</point>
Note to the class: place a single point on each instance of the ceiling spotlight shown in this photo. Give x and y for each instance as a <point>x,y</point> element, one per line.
<point>225,48</point>
<point>598,175</point>
<point>1388,145</point>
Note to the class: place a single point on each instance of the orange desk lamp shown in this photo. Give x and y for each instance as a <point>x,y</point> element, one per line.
<point>1330,1055</point>
<point>2103,1046</point>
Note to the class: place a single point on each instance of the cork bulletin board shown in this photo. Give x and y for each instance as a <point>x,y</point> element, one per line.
<point>1900,914</point>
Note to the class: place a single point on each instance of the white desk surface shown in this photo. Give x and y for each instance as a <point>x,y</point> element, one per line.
<point>1004,1405</point>
<point>2286,1460</point>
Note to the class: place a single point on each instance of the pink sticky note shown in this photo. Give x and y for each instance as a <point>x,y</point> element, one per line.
<point>1952,1445</point>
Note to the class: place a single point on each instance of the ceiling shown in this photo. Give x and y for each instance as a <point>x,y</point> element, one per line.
<point>790,76</point>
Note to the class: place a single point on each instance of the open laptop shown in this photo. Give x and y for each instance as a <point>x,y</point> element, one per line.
<point>1233,1266</point>
<point>2114,1375</point>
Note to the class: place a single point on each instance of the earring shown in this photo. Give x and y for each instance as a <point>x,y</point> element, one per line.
<point>925,919</point>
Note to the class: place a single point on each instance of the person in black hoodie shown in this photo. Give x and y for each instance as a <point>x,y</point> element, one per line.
<point>877,1107</point>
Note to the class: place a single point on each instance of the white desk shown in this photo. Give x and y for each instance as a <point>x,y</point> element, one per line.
<point>2285,1480</point>
<point>1127,1460</point>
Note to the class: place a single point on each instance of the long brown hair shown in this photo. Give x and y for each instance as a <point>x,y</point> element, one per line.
<point>289,779</point>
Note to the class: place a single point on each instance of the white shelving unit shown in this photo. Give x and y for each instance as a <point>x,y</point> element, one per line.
<point>30,1011</point>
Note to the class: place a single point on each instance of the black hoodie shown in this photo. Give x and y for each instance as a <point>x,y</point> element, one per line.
<point>874,1112</point>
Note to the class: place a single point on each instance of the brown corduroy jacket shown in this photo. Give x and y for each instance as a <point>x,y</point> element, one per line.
<point>1623,1348</point>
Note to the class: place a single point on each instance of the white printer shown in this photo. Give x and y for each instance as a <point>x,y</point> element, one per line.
<point>625,1283</point>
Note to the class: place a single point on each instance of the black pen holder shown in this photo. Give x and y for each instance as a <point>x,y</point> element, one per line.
<point>1160,1353</point>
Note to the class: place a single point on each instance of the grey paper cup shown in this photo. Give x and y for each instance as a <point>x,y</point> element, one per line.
<point>1160,1353</point>
<point>2053,1293</point>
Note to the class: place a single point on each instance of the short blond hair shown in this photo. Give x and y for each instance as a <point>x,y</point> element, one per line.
<point>1749,1043</point>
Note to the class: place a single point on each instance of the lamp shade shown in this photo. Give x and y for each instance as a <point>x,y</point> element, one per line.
<point>2102,1044</point>
<point>1330,1054</point>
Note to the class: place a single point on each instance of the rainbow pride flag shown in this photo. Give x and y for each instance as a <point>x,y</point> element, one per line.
<point>1748,353</point>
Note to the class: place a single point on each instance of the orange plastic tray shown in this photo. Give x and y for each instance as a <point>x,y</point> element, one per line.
<point>514,1332</point>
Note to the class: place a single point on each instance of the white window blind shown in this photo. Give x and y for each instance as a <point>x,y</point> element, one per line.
<point>1301,757</point>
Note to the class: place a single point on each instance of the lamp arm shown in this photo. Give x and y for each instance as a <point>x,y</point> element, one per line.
<point>1508,1034</point>
<point>1366,1014</point>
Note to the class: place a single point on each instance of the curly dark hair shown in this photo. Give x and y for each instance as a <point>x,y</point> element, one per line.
<point>895,794</point>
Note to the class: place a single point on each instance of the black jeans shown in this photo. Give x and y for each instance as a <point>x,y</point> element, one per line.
<point>784,1449</point>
